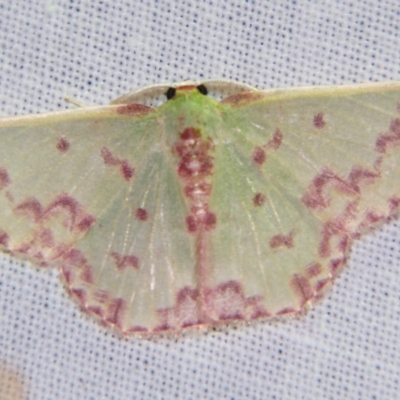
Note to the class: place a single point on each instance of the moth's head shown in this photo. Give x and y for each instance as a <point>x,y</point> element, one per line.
<point>185,91</point>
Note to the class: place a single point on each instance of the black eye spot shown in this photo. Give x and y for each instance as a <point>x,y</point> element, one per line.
<point>202,89</point>
<point>170,93</point>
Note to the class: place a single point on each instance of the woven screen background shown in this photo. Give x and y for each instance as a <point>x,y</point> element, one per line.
<point>346,348</point>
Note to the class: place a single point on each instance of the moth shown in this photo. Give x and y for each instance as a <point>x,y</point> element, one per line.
<point>202,211</point>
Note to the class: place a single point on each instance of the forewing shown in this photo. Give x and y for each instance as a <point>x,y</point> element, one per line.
<point>298,176</point>
<point>95,191</point>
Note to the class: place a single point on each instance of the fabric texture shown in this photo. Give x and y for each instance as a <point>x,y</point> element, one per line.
<point>347,347</point>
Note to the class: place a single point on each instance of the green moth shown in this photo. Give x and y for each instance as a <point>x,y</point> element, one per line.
<point>201,212</point>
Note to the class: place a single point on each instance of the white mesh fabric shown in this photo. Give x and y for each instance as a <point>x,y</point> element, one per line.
<point>346,348</point>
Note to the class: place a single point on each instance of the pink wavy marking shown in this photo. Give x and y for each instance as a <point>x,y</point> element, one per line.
<point>338,227</point>
<point>75,266</point>
<point>304,289</point>
<point>228,302</point>
<point>224,302</point>
<point>184,314</point>
<point>110,312</point>
<point>317,194</point>
<point>100,303</point>
<point>75,217</point>
<point>124,261</point>
<point>389,139</point>
<point>126,169</point>
<point>281,240</point>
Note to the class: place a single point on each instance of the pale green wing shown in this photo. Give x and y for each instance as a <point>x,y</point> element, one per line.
<point>95,191</point>
<point>298,176</point>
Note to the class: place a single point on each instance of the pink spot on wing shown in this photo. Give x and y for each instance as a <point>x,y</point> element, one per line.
<point>108,158</point>
<point>302,288</point>
<point>141,214</point>
<point>124,261</point>
<point>210,220</point>
<point>321,284</point>
<point>79,294</point>
<point>259,155</point>
<point>389,139</point>
<point>276,140</point>
<point>137,110</point>
<point>85,223</point>
<point>281,240</point>
<point>336,264</point>
<point>126,169</point>
<point>75,258</point>
<point>313,270</point>
<point>87,274</point>
<point>243,98</point>
<point>286,311</point>
<point>371,219</point>
<point>3,238</point>
<point>394,204</point>
<point>115,312</point>
<point>191,223</point>
<point>136,329</point>
<point>259,199</point>
<point>62,144</point>
<point>96,310</point>
<point>4,178</point>
<point>319,121</point>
